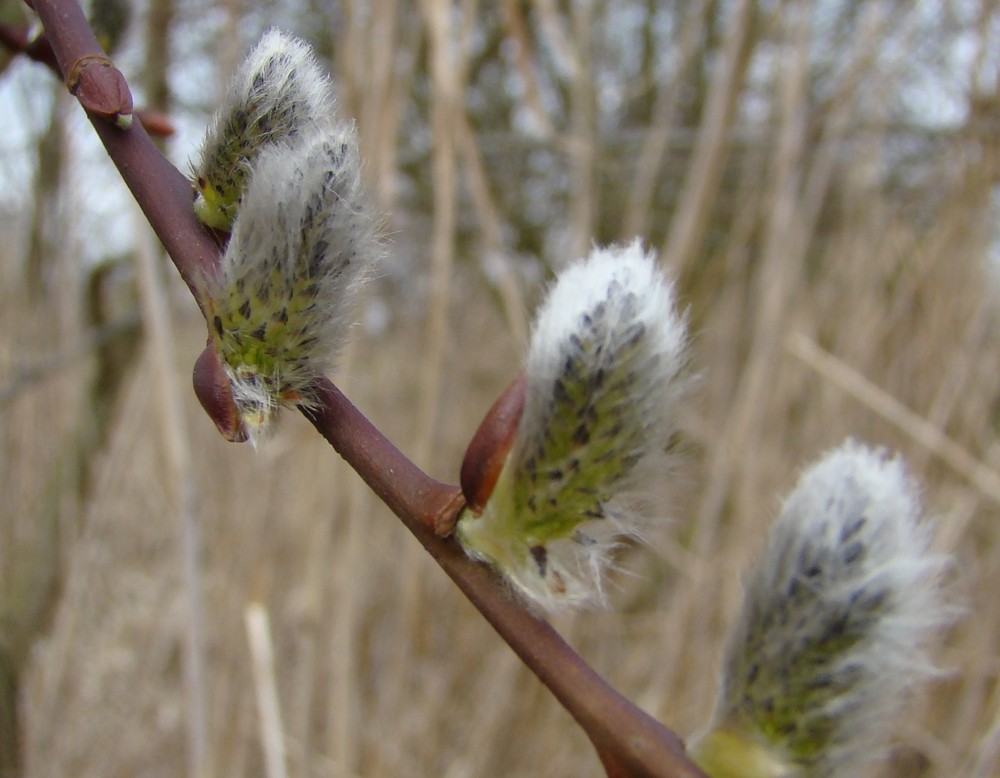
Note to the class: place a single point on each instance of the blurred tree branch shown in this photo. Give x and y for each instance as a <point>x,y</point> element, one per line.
<point>628,741</point>
<point>17,39</point>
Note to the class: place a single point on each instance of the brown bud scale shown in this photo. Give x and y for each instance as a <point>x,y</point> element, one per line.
<point>215,393</point>
<point>488,450</point>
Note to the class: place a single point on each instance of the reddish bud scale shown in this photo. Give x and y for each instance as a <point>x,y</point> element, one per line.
<point>155,122</point>
<point>488,450</point>
<point>100,87</point>
<point>215,393</point>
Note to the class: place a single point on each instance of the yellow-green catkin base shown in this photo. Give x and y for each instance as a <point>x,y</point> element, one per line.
<point>726,754</point>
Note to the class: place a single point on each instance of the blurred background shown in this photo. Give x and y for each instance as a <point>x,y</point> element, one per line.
<point>819,177</point>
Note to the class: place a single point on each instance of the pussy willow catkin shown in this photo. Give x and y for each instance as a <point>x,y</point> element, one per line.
<point>280,307</point>
<point>838,611</point>
<point>604,369</point>
<point>278,92</point>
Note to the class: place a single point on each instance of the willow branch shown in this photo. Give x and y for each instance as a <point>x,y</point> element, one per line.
<point>162,192</point>
<point>628,741</point>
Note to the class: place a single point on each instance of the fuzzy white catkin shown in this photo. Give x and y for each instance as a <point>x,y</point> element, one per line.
<point>278,91</point>
<point>604,371</point>
<point>838,612</point>
<point>303,244</point>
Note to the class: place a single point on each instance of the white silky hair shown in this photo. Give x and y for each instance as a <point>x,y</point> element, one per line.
<point>279,90</point>
<point>589,282</point>
<point>839,610</point>
<point>279,76</point>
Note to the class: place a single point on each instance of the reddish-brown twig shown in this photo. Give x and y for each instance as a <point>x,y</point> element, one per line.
<point>628,741</point>
<point>18,39</point>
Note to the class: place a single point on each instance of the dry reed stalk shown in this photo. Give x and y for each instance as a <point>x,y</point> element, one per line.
<point>41,512</point>
<point>272,736</point>
<point>446,77</point>
<point>329,628</point>
<point>160,329</point>
<point>581,141</point>
<point>500,687</point>
<point>967,719</point>
<point>28,377</point>
<point>498,263</point>
<point>984,756</point>
<point>347,699</point>
<point>385,81</point>
<point>345,708</point>
<point>119,616</point>
<point>237,744</point>
<point>556,39</point>
<point>967,507</point>
<point>958,376</point>
<point>445,72</point>
<point>841,108</point>
<point>348,57</point>
<point>931,437</point>
<point>983,749</point>
<point>524,57</point>
<point>638,213</point>
<point>712,143</point>
<point>232,45</point>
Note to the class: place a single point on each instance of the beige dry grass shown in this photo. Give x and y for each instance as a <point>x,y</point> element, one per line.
<point>380,667</point>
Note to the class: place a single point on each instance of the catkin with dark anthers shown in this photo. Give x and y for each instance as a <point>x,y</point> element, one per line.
<point>838,612</point>
<point>278,92</point>
<point>604,370</point>
<point>304,241</point>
